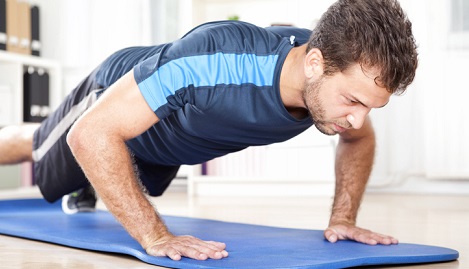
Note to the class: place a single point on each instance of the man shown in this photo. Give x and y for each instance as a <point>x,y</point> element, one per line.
<point>223,87</point>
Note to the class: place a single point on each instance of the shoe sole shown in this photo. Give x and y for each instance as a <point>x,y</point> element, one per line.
<point>70,211</point>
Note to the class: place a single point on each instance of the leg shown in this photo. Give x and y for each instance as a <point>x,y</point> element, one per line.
<point>16,143</point>
<point>55,169</point>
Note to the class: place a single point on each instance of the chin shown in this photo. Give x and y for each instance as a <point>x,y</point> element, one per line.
<point>323,129</point>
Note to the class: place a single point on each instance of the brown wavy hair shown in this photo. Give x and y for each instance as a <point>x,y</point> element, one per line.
<point>373,33</point>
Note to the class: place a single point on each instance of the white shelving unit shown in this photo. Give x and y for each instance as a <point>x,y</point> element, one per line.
<point>12,68</point>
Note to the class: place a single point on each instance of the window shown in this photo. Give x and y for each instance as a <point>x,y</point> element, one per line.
<point>459,15</point>
<point>458,36</point>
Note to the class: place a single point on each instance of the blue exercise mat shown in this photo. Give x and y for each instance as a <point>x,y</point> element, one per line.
<point>249,246</point>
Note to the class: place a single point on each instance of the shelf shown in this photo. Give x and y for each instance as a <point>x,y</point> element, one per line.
<point>29,60</point>
<point>12,68</point>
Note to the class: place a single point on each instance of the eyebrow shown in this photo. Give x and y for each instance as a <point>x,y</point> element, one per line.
<point>363,104</point>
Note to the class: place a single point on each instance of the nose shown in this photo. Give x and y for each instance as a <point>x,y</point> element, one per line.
<point>357,117</point>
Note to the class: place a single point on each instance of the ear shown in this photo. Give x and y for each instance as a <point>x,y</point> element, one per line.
<point>314,62</point>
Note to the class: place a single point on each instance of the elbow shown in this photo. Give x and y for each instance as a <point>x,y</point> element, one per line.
<point>76,140</point>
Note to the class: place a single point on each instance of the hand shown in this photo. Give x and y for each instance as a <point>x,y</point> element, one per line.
<point>176,247</point>
<point>352,232</point>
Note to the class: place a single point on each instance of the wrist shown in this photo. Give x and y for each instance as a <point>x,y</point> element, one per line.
<point>341,221</point>
<point>158,237</point>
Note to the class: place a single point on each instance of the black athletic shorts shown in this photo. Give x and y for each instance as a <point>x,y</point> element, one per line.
<point>55,170</point>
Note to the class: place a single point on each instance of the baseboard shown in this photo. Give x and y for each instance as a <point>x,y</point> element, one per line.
<point>421,185</point>
<point>21,193</point>
<point>257,187</point>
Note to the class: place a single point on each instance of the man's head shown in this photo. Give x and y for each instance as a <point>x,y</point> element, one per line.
<point>373,33</point>
<point>370,36</point>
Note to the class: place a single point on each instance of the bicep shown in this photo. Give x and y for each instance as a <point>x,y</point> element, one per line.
<point>121,111</point>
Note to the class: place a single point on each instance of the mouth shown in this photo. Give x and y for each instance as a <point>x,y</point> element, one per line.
<point>339,129</point>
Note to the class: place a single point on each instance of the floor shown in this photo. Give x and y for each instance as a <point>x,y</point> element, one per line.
<point>423,219</point>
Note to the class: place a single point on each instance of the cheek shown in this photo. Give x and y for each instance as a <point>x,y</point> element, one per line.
<point>338,108</point>
<point>331,108</point>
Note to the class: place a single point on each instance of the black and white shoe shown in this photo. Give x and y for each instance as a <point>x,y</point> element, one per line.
<point>82,200</point>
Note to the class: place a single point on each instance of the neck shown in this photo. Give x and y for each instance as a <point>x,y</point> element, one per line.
<point>292,82</point>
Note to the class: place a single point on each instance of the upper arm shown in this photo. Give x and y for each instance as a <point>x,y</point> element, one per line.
<point>121,113</point>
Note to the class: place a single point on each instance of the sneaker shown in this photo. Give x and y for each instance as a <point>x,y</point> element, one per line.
<point>82,200</point>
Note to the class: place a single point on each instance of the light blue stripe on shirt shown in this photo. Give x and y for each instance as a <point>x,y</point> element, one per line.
<point>207,70</point>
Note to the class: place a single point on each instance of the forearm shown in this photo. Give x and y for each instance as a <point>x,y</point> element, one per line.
<point>354,161</point>
<point>108,166</point>
<point>97,140</point>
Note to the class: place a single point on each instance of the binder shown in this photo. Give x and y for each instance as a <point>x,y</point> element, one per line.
<point>12,26</point>
<point>36,95</point>
<point>44,92</point>
<point>35,39</point>
<point>24,27</point>
<point>3,25</point>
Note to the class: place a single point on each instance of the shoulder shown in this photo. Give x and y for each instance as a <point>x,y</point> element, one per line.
<point>236,28</point>
<point>224,43</point>
<point>301,34</point>
<point>228,37</point>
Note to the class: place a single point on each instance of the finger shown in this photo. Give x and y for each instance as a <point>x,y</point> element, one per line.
<point>348,233</point>
<point>161,251</point>
<point>214,250</point>
<point>211,253</point>
<point>218,246</point>
<point>224,253</point>
<point>177,251</point>
<point>189,246</point>
<point>385,239</point>
<point>193,252</point>
<point>367,239</point>
<point>363,236</point>
<point>371,238</point>
<point>331,235</point>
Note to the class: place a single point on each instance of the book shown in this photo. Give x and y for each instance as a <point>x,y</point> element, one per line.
<point>36,95</point>
<point>13,41</point>
<point>24,27</point>
<point>35,34</point>
<point>3,25</point>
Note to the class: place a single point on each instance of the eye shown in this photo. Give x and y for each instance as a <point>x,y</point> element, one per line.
<point>349,100</point>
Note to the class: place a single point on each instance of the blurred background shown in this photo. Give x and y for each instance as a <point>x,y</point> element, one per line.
<point>422,135</point>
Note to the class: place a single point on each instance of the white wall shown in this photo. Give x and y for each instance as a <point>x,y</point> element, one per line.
<point>302,13</point>
<point>82,33</point>
<point>423,133</point>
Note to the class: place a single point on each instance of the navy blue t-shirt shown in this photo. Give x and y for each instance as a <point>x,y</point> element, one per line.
<point>215,91</point>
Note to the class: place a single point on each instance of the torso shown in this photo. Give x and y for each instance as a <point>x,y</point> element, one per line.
<point>207,113</point>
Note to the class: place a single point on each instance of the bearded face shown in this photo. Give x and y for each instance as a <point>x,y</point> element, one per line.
<point>317,110</point>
